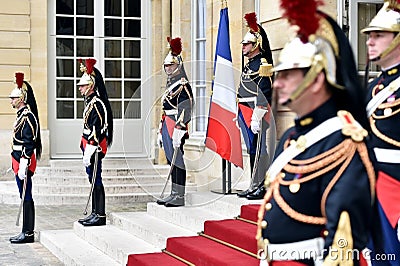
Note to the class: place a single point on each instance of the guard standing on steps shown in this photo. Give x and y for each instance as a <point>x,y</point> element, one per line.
<point>177,104</point>
<point>26,149</point>
<point>383,111</point>
<point>320,185</point>
<point>97,136</point>
<point>254,96</point>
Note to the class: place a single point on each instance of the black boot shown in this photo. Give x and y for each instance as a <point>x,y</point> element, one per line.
<point>28,224</point>
<point>259,178</point>
<point>253,186</point>
<point>100,200</point>
<point>93,214</point>
<point>179,186</point>
<point>174,190</point>
<point>177,201</point>
<point>258,193</point>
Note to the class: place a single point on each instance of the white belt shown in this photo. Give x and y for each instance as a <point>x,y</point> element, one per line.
<point>247,99</point>
<point>171,112</point>
<point>86,131</point>
<point>17,147</point>
<point>387,155</point>
<point>306,249</point>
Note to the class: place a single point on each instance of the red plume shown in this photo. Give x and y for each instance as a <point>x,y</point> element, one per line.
<point>19,79</point>
<point>302,13</point>
<point>90,62</point>
<point>176,45</point>
<point>251,19</point>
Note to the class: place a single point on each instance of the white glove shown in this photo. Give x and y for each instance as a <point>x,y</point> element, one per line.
<point>256,117</point>
<point>255,126</point>
<point>159,140</point>
<point>89,150</point>
<point>177,137</point>
<point>23,166</point>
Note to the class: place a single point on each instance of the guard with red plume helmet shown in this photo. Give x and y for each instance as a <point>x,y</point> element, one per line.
<point>383,109</point>
<point>321,183</point>
<point>26,149</point>
<point>97,136</point>
<point>254,97</point>
<point>177,103</point>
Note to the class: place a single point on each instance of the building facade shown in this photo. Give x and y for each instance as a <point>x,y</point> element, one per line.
<point>45,39</point>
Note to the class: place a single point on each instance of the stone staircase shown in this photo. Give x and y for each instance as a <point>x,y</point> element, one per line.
<point>64,182</point>
<point>138,232</point>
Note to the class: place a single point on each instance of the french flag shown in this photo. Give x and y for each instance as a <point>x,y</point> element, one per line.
<point>223,135</point>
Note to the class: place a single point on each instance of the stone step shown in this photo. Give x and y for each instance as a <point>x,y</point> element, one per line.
<point>188,217</point>
<point>83,180</point>
<point>147,227</point>
<point>161,170</point>
<point>12,197</point>
<point>226,205</point>
<point>109,189</point>
<point>70,249</point>
<point>142,232</point>
<point>114,242</point>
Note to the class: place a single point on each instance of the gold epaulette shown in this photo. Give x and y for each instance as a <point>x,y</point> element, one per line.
<point>351,128</point>
<point>265,69</point>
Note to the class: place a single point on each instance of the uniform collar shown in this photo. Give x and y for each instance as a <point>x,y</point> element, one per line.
<point>173,79</point>
<point>90,97</point>
<point>391,71</point>
<point>256,57</point>
<point>322,113</point>
<point>19,112</point>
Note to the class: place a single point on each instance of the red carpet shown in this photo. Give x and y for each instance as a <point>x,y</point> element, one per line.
<point>202,251</point>
<point>249,212</point>
<point>235,232</point>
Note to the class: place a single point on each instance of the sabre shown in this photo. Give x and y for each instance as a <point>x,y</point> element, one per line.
<point>96,159</point>
<point>22,197</point>
<point>253,174</point>
<point>170,171</point>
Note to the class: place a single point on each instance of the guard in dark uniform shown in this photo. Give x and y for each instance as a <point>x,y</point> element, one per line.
<point>383,111</point>
<point>97,136</point>
<point>177,103</point>
<point>253,96</point>
<point>26,149</point>
<point>320,185</point>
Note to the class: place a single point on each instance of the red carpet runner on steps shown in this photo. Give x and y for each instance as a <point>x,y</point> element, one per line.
<point>226,242</point>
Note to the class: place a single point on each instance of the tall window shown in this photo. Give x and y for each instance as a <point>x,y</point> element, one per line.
<point>113,37</point>
<point>199,65</point>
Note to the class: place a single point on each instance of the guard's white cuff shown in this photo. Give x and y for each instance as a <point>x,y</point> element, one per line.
<point>177,136</point>
<point>23,166</point>
<point>89,150</point>
<point>258,113</point>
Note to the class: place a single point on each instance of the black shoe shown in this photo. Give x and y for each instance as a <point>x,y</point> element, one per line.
<point>97,220</point>
<point>177,201</point>
<point>27,237</point>
<point>87,218</point>
<point>165,200</point>
<point>17,236</point>
<point>244,193</point>
<point>257,194</point>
